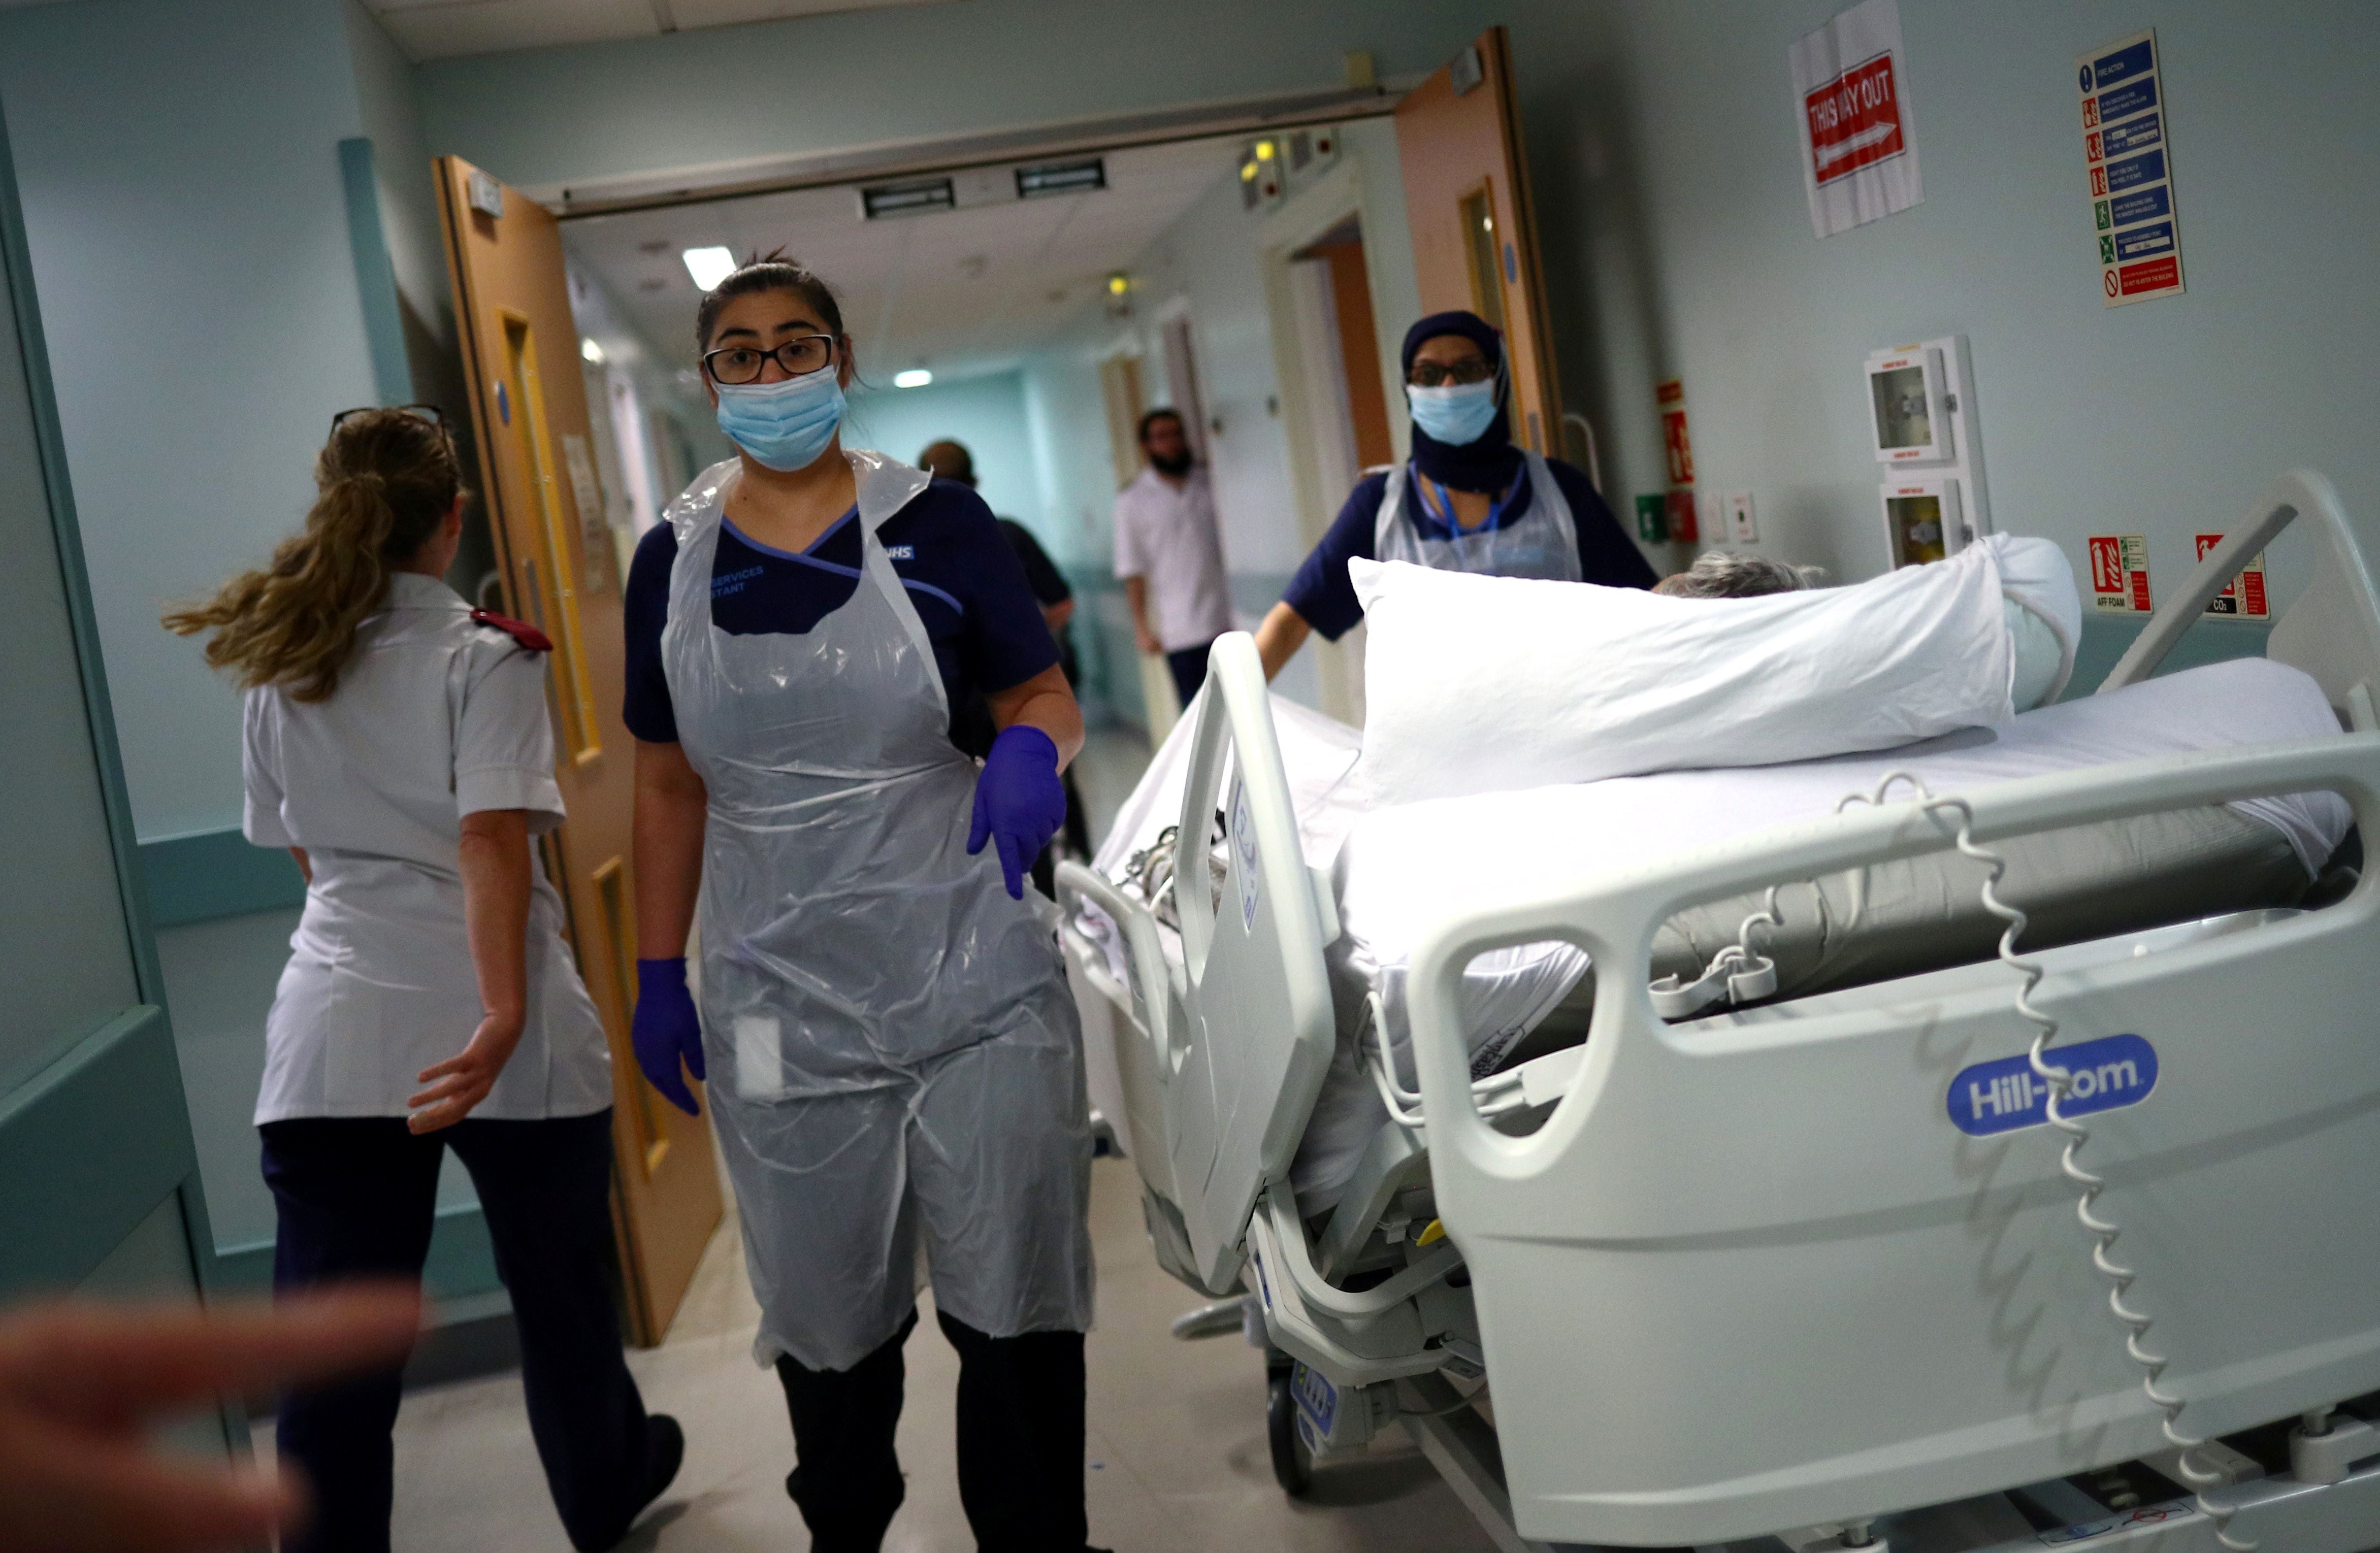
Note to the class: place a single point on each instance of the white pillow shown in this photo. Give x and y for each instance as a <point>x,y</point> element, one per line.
<point>2045,615</point>
<point>1484,684</point>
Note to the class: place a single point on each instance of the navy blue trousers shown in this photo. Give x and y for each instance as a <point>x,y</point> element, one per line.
<point>1189,667</point>
<point>356,1196</point>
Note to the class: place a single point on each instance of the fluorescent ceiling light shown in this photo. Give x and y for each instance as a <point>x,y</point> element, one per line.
<point>915,377</point>
<point>709,266</point>
<point>1060,177</point>
<point>589,349</point>
<point>908,199</point>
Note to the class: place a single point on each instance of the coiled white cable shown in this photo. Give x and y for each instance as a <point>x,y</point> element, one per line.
<point>2103,1230</point>
<point>1497,1095</point>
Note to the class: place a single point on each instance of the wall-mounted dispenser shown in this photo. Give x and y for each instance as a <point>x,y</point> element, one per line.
<point>1922,427</point>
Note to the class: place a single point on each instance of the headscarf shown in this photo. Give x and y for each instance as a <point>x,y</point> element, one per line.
<point>1489,462</point>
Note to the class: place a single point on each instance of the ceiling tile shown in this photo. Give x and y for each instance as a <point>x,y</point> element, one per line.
<point>941,310</point>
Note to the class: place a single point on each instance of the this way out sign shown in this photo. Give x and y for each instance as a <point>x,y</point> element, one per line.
<point>1859,142</point>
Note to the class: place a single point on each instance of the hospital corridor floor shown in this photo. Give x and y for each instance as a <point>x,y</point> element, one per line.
<point>1176,1460</point>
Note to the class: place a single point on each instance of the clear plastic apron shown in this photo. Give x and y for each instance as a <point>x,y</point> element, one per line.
<point>892,1050</point>
<point>1542,542</point>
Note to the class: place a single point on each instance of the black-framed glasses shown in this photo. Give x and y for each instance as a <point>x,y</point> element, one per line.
<point>430,413</point>
<point>1433,374</point>
<point>735,365</point>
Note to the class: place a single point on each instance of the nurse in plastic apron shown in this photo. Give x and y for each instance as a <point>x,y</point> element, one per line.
<point>1469,500</point>
<point>397,743</point>
<point>893,1061</point>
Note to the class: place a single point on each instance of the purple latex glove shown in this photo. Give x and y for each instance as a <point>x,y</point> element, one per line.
<point>665,1031</point>
<point>1019,802</point>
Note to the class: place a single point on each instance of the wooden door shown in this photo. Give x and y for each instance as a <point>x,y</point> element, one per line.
<point>529,405</point>
<point>1475,235</point>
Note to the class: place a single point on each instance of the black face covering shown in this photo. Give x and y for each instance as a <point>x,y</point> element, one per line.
<point>1176,466</point>
<point>1490,462</point>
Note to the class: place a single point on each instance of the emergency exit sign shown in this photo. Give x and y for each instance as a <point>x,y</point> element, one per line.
<point>2130,165</point>
<point>1855,120</point>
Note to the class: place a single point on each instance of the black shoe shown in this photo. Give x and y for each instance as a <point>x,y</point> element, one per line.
<point>664,1453</point>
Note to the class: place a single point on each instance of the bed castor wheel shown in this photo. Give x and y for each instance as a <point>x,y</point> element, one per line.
<point>1292,1465</point>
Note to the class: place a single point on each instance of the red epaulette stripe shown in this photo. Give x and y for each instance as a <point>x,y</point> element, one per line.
<point>520,631</point>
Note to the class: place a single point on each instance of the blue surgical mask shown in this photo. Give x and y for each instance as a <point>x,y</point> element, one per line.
<point>784,425</point>
<point>1456,413</point>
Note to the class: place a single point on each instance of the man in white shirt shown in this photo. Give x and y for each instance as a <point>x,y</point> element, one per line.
<point>1169,555</point>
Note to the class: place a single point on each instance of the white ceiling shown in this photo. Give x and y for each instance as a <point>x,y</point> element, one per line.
<point>960,292</point>
<point>442,29</point>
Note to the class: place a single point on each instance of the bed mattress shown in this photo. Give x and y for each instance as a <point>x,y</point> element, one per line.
<point>1397,871</point>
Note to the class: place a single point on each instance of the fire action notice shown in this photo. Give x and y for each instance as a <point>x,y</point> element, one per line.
<point>2130,162</point>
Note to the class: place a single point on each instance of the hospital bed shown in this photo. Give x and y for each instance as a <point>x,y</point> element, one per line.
<point>1805,1269</point>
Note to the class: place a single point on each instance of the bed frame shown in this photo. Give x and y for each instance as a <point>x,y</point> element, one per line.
<point>1744,1279</point>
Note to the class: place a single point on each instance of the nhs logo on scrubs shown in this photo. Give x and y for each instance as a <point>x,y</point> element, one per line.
<point>2004,1095</point>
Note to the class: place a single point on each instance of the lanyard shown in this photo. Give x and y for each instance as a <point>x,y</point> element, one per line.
<point>1424,485</point>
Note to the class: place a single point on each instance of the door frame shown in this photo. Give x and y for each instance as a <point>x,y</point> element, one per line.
<point>1301,220</point>
<point>64,1214</point>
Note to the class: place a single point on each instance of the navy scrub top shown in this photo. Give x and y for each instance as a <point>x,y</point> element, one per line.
<point>1324,598</point>
<point>962,575</point>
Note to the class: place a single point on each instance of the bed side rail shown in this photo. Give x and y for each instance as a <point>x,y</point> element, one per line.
<point>2332,631</point>
<point>1258,1030</point>
<point>1614,920</point>
<point>1152,988</point>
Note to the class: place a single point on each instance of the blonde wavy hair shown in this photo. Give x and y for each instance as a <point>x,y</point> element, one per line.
<point>386,478</point>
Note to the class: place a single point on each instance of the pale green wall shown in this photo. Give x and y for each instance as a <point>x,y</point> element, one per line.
<point>1675,230</point>
<point>548,116</point>
<point>1679,241</point>
<point>1210,262</point>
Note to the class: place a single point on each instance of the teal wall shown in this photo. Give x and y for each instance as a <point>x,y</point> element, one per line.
<point>189,217</point>
<point>986,413</point>
<point>189,230</point>
<point>407,194</point>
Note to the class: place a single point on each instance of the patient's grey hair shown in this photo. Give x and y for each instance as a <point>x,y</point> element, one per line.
<point>1725,573</point>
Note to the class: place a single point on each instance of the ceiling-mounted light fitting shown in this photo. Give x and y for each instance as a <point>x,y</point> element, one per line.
<point>915,197</point>
<point>915,377</point>
<point>1060,177</point>
<point>590,350</point>
<point>1117,283</point>
<point>1259,175</point>
<point>709,266</point>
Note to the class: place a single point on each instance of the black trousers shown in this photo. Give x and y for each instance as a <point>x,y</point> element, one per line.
<point>1076,837</point>
<point>356,1196</point>
<point>1020,1439</point>
<point>1189,667</point>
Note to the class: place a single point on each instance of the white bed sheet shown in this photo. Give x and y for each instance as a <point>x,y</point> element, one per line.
<point>1400,869</point>
<point>1397,869</point>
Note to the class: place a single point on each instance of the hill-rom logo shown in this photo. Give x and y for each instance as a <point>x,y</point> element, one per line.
<point>2006,1094</point>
